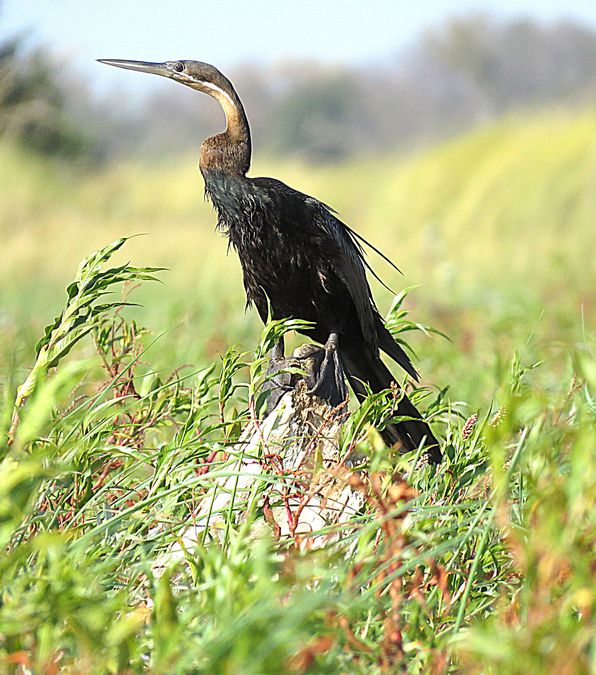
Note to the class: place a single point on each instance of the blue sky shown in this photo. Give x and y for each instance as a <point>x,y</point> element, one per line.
<point>228,32</point>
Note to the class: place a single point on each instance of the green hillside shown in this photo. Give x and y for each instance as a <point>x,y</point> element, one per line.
<point>507,201</point>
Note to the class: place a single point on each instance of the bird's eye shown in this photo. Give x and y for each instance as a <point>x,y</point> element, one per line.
<point>179,67</point>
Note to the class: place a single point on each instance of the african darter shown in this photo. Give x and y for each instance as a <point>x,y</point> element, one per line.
<point>298,260</point>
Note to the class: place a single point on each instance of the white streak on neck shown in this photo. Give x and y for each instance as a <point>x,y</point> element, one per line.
<point>232,109</point>
<point>219,90</point>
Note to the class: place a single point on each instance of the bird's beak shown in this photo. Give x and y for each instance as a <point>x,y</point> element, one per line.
<point>164,69</point>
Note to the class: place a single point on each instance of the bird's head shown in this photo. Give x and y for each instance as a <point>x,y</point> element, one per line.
<point>208,79</point>
<point>195,74</point>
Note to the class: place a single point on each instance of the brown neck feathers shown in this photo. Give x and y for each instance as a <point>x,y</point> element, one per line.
<point>230,151</point>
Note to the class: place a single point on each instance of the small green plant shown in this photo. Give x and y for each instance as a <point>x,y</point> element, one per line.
<point>82,314</point>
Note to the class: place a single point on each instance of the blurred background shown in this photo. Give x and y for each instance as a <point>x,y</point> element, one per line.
<point>459,137</point>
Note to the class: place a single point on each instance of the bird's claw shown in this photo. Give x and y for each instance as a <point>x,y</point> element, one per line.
<point>279,381</point>
<point>329,382</point>
<point>321,371</point>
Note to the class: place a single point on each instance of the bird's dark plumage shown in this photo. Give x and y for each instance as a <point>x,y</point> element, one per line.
<point>297,257</point>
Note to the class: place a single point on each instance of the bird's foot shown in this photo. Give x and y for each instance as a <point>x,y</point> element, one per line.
<point>327,379</point>
<point>319,367</point>
<point>279,379</point>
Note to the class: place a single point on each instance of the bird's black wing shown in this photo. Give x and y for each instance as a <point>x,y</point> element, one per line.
<point>353,273</point>
<point>346,254</point>
<point>351,268</point>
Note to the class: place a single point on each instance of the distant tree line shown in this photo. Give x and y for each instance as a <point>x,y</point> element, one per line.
<point>33,103</point>
<point>468,71</point>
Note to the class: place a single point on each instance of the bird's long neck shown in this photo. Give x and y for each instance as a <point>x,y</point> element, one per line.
<point>230,151</point>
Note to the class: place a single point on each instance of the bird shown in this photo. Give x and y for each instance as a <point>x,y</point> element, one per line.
<point>300,261</point>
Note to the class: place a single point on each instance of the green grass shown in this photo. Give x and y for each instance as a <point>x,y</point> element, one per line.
<point>486,567</point>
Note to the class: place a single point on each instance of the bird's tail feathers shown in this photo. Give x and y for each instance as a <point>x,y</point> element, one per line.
<point>393,349</point>
<point>412,432</point>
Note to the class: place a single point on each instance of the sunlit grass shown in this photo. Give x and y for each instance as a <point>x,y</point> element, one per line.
<point>485,562</point>
<point>498,228</point>
<point>500,201</point>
